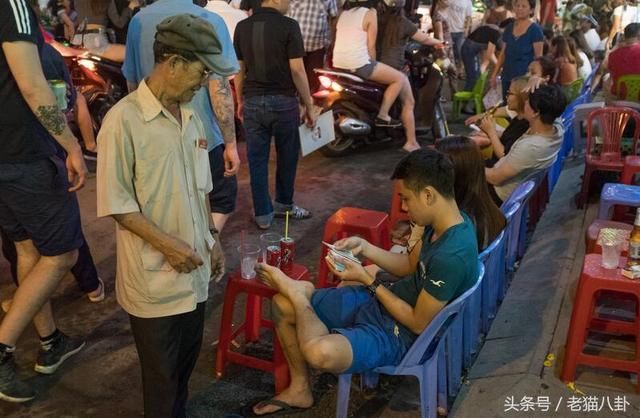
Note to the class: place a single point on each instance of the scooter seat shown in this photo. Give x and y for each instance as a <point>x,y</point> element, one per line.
<point>339,73</point>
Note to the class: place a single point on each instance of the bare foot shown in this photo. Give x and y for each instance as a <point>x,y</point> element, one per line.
<point>275,278</point>
<point>295,398</point>
<point>411,147</point>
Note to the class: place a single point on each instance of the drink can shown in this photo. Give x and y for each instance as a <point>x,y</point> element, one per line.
<point>59,88</point>
<point>273,257</point>
<point>288,248</point>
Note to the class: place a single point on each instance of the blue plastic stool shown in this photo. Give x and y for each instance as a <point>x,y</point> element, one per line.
<point>426,359</point>
<point>617,194</point>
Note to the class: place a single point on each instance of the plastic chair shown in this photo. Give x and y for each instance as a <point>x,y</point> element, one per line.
<point>612,122</point>
<point>518,226</point>
<point>369,224</point>
<point>572,91</point>
<point>493,285</point>
<point>584,317</point>
<point>580,114</point>
<point>425,358</point>
<point>617,194</point>
<point>466,96</point>
<point>631,83</point>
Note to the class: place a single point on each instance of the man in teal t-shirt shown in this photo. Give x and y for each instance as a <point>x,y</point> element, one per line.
<point>352,329</point>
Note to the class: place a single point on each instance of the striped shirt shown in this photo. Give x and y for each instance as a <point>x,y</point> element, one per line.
<point>313,18</point>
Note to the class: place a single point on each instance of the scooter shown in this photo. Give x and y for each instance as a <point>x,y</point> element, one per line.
<point>98,79</point>
<point>355,102</point>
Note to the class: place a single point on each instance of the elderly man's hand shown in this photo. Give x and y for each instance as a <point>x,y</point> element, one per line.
<point>182,257</point>
<point>217,260</point>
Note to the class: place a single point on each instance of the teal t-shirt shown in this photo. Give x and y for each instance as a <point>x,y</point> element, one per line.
<point>446,268</point>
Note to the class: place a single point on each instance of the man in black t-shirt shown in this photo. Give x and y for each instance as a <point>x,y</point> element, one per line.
<point>478,50</point>
<point>38,210</point>
<point>270,50</point>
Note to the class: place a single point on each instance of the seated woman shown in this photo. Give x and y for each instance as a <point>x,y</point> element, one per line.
<point>470,186</point>
<point>502,140</point>
<point>355,51</point>
<point>585,69</point>
<point>543,67</point>
<point>537,149</point>
<point>91,34</point>
<point>567,62</point>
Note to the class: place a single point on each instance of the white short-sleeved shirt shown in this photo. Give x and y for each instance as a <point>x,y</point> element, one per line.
<point>584,71</point>
<point>630,15</point>
<point>592,38</point>
<point>150,163</point>
<point>457,12</point>
<point>529,155</point>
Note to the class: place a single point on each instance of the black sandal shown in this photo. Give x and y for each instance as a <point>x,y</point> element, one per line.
<point>285,408</point>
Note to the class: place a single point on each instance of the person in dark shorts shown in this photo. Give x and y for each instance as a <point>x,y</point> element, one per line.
<point>363,324</point>
<point>38,209</point>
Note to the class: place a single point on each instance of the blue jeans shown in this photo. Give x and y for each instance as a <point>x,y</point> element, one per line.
<point>265,117</point>
<point>458,39</point>
<point>470,57</point>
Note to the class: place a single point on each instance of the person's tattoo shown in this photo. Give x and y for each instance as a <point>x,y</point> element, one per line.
<point>52,119</point>
<point>223,108</point>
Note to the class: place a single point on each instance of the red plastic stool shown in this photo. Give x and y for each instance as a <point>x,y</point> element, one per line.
<point>369,224</point>
<point>397,214</point>
<point>255,291</point>
<point>591,236</point>
<point>631,168</point>
<point>593,280</point>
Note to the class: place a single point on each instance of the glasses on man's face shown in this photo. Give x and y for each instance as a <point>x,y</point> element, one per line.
<point>205,73</point>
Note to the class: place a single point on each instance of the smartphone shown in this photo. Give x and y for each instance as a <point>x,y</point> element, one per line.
<point>342,253</point>
<point>475,127</point>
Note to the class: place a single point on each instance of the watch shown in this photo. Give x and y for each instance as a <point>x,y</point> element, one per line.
<point>373,287</point>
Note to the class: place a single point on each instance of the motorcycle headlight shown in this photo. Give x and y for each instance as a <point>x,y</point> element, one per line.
<point>336,87</point>
<point>325,81</point>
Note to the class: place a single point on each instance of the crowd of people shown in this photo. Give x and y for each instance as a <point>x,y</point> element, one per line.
<point>167,160</point>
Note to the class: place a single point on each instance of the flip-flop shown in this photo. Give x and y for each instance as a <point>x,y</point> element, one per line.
<point>285,408</point>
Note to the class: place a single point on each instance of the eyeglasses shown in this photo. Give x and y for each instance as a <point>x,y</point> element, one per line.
<point>206,73</point>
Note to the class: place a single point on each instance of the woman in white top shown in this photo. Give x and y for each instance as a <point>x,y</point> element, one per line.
<point>355,51</point>
<point>627,13</point>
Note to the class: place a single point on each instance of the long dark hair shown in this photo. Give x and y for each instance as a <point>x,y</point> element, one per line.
<point>563,50</point>
<point>470,186</point>
<point>391,18</point>
<point>352,4</point>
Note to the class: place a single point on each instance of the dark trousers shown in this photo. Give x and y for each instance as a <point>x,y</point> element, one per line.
<point>168,349</point>
<point>84,271</point>
<point>266,117</point>
<point>313,60</point>
<point>471,51</point>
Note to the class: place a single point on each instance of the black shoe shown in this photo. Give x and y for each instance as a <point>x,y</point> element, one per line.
<point>52,355</point>
<point>12,389</point>
<point>391,123</point>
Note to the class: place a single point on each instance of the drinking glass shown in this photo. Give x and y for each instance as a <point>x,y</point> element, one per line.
<point>249,254</point>
<point>610,253</point>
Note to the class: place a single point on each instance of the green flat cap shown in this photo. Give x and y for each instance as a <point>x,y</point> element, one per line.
<point>194,34</point>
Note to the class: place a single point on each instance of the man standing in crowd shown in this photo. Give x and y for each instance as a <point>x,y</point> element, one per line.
<point>153,179</point>
<point>314,17</point>
<point>625,59</point>
<point>38,210</point>
<point>270,50</point>
<point>459,13</point>
<point>214,105</point>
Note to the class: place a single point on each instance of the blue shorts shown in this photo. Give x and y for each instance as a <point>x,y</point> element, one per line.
<point>352,312</point>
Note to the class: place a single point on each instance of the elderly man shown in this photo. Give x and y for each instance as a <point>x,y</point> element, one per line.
<point>213,105</point>
<point>154,180</point>
<point>313,17</point>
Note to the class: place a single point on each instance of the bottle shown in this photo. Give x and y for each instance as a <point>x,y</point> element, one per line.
<point>634,242</point>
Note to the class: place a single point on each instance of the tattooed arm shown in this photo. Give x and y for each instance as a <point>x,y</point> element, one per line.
<point>24,62</point>
<point>223,108</point>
